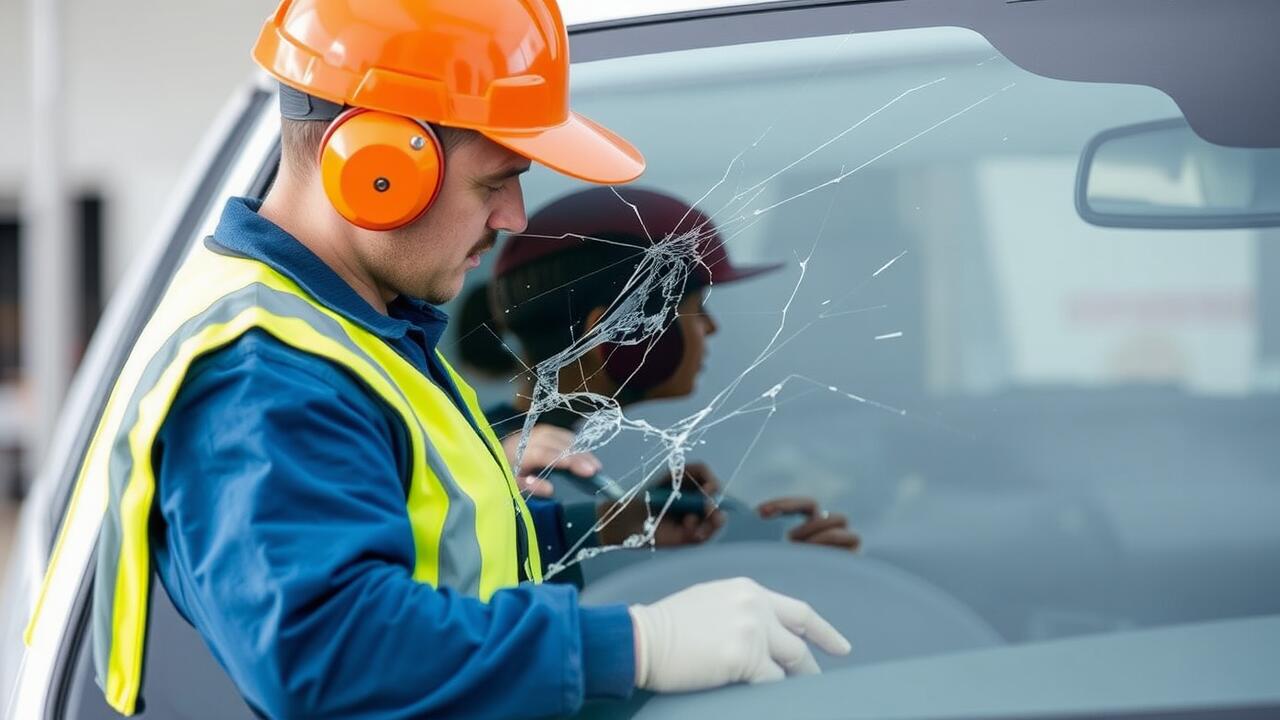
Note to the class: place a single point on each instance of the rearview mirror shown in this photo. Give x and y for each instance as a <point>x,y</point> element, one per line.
<point>1162,175</point>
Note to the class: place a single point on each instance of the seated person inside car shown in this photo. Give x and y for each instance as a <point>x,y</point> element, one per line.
<point>555,283</point>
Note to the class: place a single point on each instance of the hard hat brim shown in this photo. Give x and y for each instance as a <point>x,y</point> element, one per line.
<point>580,148</point>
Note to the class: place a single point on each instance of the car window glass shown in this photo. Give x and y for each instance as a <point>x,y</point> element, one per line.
<point>1065,427</point>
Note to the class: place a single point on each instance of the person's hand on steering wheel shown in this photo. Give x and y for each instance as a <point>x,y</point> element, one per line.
<point>819,528</point>
<point>622,520</point>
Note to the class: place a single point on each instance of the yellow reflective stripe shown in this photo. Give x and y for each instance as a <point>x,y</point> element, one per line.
<point>534,569</point>
<point>427,504</point>
<point>464,455</point>
<point>109,418</point>
<point>71,517</point>
<point>68,521</point>
<point>124,674</point>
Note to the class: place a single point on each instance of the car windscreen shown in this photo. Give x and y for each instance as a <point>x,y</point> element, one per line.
<point>1065,427</point>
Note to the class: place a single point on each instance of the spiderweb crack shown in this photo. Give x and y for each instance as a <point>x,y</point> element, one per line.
<point>663,270</point>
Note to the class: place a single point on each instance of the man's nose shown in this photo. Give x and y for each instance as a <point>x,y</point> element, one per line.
<point>510,215</point>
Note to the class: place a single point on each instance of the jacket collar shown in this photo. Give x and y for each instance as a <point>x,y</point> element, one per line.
<point>242,231</point>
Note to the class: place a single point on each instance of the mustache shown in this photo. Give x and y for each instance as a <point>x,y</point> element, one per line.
<point>486,243</point>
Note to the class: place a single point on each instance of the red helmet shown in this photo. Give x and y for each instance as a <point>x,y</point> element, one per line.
<point>559,228</point>
<point>596,212</point>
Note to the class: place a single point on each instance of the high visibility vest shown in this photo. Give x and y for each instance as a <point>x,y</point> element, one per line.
<point>461,495</point>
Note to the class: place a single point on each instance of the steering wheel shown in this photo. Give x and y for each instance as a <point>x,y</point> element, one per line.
<point>658,497</point>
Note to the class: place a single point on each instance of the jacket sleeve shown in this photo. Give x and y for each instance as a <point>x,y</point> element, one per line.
<point>286,543</point>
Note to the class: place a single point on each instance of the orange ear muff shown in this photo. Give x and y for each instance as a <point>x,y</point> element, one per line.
<point>380,171</point>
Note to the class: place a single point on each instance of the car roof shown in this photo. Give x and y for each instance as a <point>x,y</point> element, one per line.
<point>582,12</point>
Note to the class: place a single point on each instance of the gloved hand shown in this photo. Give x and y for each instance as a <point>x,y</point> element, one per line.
<point>724,632</point>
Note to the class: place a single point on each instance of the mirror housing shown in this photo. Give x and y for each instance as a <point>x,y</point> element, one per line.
<point>1162,175</point>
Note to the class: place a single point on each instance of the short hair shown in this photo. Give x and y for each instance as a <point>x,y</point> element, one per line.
<point>300,141</point>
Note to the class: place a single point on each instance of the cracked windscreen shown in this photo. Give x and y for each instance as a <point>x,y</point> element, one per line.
<point>905,321</point>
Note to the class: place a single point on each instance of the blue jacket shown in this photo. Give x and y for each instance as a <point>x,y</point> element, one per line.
<point>283,537</point>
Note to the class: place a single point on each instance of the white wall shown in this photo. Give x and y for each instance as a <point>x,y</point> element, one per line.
<point>143,80</point>
<point>14,98</point>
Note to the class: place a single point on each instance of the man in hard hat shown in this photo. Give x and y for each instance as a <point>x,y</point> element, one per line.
<point>315,487</point>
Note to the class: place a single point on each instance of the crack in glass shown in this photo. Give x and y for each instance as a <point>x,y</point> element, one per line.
<point>662,271</point>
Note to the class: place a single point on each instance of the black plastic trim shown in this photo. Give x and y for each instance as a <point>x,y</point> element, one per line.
<point>69,653</point>
<point>1216,63</point>
<point>710,13</point>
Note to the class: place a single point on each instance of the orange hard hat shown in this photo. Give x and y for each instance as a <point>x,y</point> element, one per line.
<point>500,67</point>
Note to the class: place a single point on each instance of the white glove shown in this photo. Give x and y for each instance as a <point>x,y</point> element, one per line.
<point>725,632</point>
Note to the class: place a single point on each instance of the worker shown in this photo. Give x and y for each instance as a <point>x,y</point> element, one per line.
<point>553,285</point>
<point>285,448</point>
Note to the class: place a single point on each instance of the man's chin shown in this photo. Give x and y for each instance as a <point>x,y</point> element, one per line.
<point>439,296</point>
<point>443,295</point>
<point>441,299</point>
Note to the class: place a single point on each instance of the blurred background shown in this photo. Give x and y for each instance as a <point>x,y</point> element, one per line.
<point>97,129</point>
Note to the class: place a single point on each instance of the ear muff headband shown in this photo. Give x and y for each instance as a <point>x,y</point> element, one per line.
<point>380,171</point>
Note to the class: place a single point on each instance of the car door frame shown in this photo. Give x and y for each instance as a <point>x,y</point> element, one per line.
<point>237,156</point>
